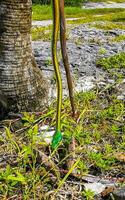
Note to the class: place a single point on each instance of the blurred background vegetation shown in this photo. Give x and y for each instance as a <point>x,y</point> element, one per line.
<point>67,2</point>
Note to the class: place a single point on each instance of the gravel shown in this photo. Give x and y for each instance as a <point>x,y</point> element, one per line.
<point>85,46</point>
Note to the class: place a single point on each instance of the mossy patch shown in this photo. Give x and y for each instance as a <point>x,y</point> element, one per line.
<point>114,65</point>
<point>118,38</point>
<point>114,62</point>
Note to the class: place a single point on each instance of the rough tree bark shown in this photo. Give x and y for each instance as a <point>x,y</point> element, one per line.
<point>21,81</point>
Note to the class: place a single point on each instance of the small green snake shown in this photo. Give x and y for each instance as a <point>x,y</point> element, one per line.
<point>58,135</point>
<point>59,22</point>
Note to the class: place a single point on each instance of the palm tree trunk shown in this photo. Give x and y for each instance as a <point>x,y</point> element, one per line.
<point>20,79</point>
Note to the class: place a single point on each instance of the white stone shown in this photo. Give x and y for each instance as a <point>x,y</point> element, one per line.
<point>97,188</point>
<point>46,133</point>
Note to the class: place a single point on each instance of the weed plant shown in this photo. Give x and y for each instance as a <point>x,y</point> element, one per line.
<point>98,129</point>
<point>42,33</point>
<point>117,61</point>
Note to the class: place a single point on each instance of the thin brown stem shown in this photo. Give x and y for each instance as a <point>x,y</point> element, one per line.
<point>65,55</point>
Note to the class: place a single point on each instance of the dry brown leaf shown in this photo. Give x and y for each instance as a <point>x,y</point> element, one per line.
<point>120,157</point>
<point>107,191</point>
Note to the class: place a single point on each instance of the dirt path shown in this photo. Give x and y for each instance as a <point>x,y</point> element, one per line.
<point>110,4</point>
<point>49,22</point>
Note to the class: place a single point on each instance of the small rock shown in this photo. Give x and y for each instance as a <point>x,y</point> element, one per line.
<point>46,133</point>
<point>120,97</point>
<point>97,188</point>
<point>44,128</point>
<point>111,81</point>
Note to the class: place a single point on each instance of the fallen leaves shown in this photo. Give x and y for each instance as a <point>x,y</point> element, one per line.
<point>120,156</point>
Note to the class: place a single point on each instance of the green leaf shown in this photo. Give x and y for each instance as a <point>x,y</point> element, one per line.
<point>18,178</point>
<point>57,138</point>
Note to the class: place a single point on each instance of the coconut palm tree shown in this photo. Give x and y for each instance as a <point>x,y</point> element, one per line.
<point>21,81</point>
